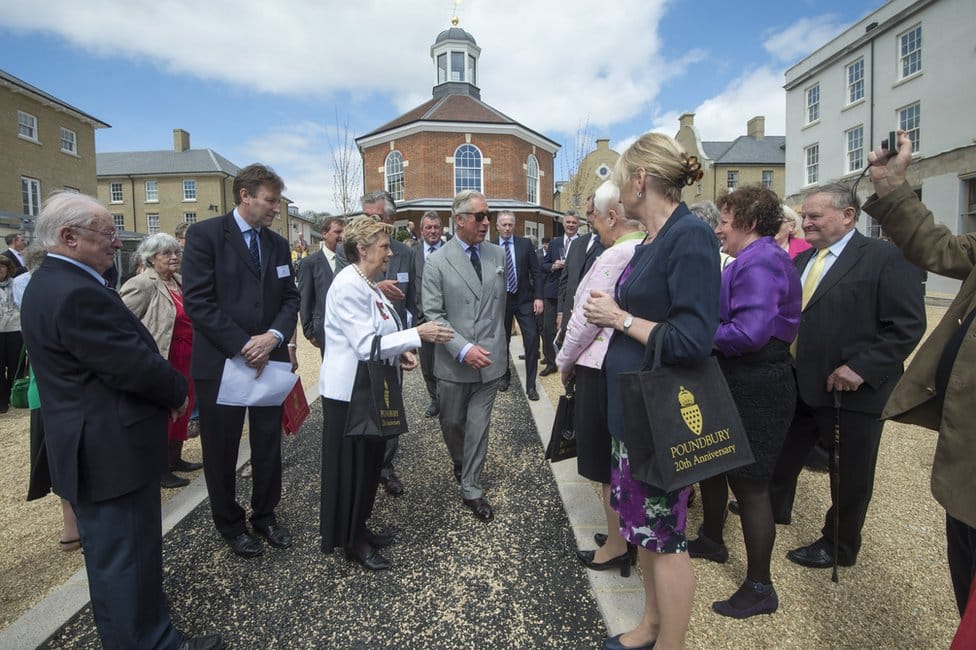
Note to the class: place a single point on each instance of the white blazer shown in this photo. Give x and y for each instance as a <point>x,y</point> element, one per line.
<point>354,314</point>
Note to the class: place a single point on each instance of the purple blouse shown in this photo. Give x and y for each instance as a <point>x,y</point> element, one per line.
<point>760,299</point>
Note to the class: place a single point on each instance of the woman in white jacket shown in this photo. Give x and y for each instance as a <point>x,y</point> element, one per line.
<point>355,312</point>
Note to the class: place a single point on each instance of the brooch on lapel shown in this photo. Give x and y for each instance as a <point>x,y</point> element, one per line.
<point>500,270</point>
<point>382,308</point>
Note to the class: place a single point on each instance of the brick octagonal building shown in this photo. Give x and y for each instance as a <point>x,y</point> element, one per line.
<point>454,142</point>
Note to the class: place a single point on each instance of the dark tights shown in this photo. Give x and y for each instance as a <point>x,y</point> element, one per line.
<point>758,528</point>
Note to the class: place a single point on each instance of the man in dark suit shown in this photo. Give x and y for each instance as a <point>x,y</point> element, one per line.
<point>15,251</point>
<point>239,291</point>
<point>399,286</point>
<point>107,394</point>
<point>523,280</point>
<point>431,229</point>
<point>580,258</point>
<point>552,266</point>
<point>863,313</point>
<point>314,280</point>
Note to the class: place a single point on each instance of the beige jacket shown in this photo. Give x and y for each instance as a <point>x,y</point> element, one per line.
<point>148,298</point>
<point>912,227</point>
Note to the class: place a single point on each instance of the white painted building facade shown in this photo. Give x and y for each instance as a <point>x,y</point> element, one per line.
<point>910,64</point>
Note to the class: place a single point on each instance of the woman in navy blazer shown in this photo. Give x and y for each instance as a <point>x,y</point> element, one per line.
<point>355,312</point>
<point>673,278</point>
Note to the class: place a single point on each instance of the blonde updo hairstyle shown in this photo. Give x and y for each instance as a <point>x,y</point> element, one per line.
<point>362,230</point>
<point>668,168</point>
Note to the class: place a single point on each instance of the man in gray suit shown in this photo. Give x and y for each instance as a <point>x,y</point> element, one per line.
<point>398,286</point>
<point>464,287</point>
<point>315,278</point>
<point>431,229</point>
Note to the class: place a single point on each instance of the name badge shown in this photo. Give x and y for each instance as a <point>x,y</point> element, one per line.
<point>283,271</point>
<point>403,278</point>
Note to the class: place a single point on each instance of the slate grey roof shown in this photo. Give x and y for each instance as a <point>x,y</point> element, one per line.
<point>454,34</point>
<point>140,163</point>
<point>9,78</point>
<point>746,150</point>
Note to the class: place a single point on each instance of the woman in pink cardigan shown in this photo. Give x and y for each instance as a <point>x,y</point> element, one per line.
<point>581,358</point>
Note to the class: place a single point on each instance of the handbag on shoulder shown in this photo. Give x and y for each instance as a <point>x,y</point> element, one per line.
<point>376,404</point>
<point>18,390</point>
<point>681,424</point>
<point>562,440</point>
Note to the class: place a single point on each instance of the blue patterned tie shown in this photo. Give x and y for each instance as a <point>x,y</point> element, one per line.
<point>253,248</point>
<point>475,260</point>
<point>510,263</point>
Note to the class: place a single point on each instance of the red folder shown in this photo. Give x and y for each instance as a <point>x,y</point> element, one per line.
<point>294,410</point>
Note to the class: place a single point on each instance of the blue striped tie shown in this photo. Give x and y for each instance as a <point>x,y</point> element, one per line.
<point>510,263</point>
<point>253,248</point>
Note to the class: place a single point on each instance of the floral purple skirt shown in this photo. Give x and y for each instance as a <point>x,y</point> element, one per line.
<point>649,517</point>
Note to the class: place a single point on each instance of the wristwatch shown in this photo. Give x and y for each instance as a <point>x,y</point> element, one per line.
<point>628,322</point>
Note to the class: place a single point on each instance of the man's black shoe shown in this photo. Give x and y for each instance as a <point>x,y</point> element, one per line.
<point>481,508</point>
<point>548,370</point>
<point>277,536</point>
<point>815,556</point>
<point>505,383</point>
<point>245,545</point>
<point>532,394</point>
<point>392,485</point>
<point>433,410</point>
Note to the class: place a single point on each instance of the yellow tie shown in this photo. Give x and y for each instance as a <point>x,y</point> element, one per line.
<point>810,285</point>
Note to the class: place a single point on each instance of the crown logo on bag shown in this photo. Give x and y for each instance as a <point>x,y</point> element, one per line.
<point>690,412</point>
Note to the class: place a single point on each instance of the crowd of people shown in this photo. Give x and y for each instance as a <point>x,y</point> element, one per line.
<point>809,332</point>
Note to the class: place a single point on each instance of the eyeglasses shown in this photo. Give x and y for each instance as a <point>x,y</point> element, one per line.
<point>478,216</point>
<point>112,234</point>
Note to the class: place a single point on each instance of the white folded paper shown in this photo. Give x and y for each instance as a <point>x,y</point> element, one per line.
<point>238,387</point>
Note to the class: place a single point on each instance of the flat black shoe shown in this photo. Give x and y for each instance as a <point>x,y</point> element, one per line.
<point>277,536</point>
<point>171,481</point>
<point>481,508</point>
<point>371,559</point>
<point>245,545</point>
<point>185,466</point>
<point>707,549</point>
<point>393,485</point>
<point>621,562</point>
<point>433,410</point>
<point>815,556</point>
<point>548,370</point>
<point>209,642</point>
<point>532,394</point>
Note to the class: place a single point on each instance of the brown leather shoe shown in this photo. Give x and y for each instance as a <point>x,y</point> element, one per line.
<point>481,508</point>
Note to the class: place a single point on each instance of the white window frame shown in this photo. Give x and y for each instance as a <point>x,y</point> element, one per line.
<point>152,223</point>
<point>732,179</point>
<point>854,74</point>
<point>393,174</point>
<point>115,192</point>
<point>152,192</point>
<point>27,126</point>
<point>532,179</point>
<point>811,159</point>
<point>70,138</point>
<point>531,229</point>
<point>909,44</point>
<point>470,151</point>
<point>30,189</point>
<point>118,219</point>
<point>854,146</point>
<point>189,217</point>
<point>913,127</point>
<point>189,189</point>
<point>812,95</point>
<point>457,73</point>
<point>767,178</point>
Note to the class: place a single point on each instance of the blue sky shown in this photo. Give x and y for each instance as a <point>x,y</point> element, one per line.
<point>264,81</point>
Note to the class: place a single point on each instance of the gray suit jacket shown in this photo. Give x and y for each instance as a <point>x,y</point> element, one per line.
<point>475,310</point>
<point>314,280</point>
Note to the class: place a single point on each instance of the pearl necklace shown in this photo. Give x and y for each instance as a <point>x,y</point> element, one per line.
<point>369,283</point>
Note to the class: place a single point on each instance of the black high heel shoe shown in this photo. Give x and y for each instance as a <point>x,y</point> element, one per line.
<point>622,562</point>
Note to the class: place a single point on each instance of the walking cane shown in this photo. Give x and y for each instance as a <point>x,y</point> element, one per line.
<point>836,490</point>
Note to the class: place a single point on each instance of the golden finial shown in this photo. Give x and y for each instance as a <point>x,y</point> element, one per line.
<point>454,18</point>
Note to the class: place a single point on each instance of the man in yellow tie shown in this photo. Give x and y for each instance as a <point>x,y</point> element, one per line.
<point>863,314</point>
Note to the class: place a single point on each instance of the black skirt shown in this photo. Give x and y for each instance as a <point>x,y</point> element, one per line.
<point>593,456</point>
<point>350,475</point>
<point>764,391</point>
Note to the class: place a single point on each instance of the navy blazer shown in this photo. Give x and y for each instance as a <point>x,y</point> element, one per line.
<point>579,260</point>
<point>105,390</point>
<point>528,271</point>
<point>868,312</point>
<point>225,298</point>
<point>554,252</point>
<point>674,279</point>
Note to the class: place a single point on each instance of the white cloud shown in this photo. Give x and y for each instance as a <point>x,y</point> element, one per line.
<point>802,37</point>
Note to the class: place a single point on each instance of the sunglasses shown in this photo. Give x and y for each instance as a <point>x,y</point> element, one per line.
<point>478,216</point>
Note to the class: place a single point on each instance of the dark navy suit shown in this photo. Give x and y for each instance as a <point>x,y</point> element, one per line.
<point>528,276</point>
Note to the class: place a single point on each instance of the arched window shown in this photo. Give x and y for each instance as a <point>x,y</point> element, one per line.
<point>394,175</point>
<point>467,168</point>
<point>532,180</point>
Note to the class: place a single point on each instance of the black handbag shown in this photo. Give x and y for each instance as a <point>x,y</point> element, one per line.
<point>681,424</point>
<point>20,386</point>
<point>376,405</point>
<point>562,440</point>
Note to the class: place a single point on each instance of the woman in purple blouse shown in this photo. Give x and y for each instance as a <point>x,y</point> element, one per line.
<point>759,314</point>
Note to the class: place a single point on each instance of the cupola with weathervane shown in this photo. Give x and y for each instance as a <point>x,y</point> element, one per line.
<point>455,54</point>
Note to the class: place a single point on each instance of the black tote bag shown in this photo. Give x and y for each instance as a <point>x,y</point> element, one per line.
<point>562,440</point>
<point>681,425</point>
<point>376,405</point>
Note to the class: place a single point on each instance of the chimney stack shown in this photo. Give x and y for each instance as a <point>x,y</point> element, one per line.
<point>686,119</point>
<point>756,127</point>
<point>181,140</point>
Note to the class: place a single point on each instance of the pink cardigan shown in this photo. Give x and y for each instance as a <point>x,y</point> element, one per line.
<point>797,246</point>
<point>586,344</point>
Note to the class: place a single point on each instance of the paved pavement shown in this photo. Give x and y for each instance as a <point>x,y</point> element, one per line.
<point>455,582</point>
